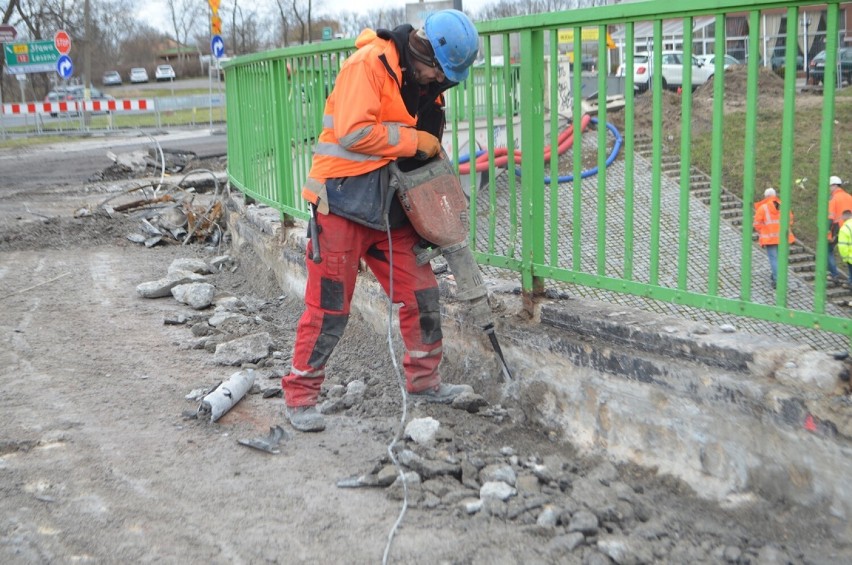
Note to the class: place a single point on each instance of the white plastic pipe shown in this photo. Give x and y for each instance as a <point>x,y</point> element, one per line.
<point>226,395</point>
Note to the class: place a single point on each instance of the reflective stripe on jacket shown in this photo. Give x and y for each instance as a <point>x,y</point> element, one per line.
<point>844,242</point>
<point>365,122</point>
<point>767,222</point>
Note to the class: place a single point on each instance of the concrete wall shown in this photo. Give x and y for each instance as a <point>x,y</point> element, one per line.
<point>734,415</point>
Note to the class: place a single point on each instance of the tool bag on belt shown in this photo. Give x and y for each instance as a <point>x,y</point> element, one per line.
<point>365,199</point>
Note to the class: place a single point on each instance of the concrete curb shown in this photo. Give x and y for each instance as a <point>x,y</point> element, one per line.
<point>732,414</point>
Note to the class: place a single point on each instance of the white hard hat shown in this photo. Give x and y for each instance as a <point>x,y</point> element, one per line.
<point>835,180</point>
<point>769,192</point>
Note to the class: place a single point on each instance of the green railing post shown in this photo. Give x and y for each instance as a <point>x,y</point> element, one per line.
<point>602,153</point>
<point>532,145</point>
<point>577,150</point>
<point>629,163</point>
<point>828,82</point>
<point>749,147</point>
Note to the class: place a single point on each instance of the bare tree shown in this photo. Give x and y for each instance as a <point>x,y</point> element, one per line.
<point>245,32</point>
<point>111,27</point>
<point>136,49</point>
<point>9,10</point>
<point>286,16</point>
<point>351,23</point>
<point>184,16</point>
<point>296,7</point>
<point>509,8</point>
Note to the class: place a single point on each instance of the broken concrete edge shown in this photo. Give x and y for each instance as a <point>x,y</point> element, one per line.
<point>725,428</point>
<point>675,337</point>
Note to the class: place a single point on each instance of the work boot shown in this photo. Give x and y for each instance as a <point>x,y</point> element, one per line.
<point>444,393</point>
<point>305,418</point>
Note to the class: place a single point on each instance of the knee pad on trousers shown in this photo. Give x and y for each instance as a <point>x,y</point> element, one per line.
<point>331,331</point>
<point>430,314</point>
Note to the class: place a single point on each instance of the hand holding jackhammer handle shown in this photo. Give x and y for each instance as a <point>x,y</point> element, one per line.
<point>427,145</point>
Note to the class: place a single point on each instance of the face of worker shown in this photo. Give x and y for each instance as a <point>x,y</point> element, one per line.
<point>425,74</point>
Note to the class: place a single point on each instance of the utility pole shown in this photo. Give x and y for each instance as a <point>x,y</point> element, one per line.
<point>805,24</point>
<point>87,59</point>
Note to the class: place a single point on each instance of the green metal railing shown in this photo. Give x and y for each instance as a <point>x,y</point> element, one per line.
<point>628,228</point>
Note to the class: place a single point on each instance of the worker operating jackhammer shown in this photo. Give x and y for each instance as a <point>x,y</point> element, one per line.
<point>387,106</point>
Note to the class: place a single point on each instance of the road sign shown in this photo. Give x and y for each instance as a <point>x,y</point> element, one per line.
<point>31,57</point>
<point>64,66</point>
<point>217,46</point>
<point>62,42</point>
<point>7,33</point>
<point>326,33</point>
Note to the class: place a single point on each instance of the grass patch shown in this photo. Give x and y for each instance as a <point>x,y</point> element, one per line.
<point>17,142</point>
<point>127,93</point>
<point>766,156</point>
<point>125,120</point>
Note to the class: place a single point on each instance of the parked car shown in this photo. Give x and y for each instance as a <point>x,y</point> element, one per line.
<point>710,60</point>
<point>74,93</point>
<point>672,65</point>
<point>138,74</point>
<point>164,72</point>
<point>55,96</point>
<point>641,73</point>
<point>844,64</point>
<point>111,78</point>
<point>778,60</point>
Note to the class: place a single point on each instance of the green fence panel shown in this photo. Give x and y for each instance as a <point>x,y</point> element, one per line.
<point>605,212</point>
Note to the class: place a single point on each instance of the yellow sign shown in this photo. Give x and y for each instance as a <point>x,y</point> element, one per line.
<point>588,34</point>
<point>215,25</point>
<point>214,5</point>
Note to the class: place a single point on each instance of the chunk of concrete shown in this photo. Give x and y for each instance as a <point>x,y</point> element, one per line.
<point>196,295</point>
<point>189,264</point>
<point>163,287</point>
<point>497,490</point>
<point>422,430</point>
<point>247,349</point>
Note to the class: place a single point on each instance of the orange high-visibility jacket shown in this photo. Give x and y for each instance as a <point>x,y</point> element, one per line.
<point>840,200</point>
<point>767,222</point>
<point>365,122</point>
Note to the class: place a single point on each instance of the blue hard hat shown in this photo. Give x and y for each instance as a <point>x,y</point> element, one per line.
<point>454,40</point>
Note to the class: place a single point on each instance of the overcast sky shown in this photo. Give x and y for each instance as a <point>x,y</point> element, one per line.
<point>154,11</point>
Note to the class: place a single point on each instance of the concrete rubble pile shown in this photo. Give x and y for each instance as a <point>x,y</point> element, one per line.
<point>141,163</point>
<point>234,331</point>
<point>592,512</point>
<point>169,210</point>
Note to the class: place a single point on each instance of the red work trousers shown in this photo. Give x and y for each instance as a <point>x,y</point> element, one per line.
<point>328,297</point>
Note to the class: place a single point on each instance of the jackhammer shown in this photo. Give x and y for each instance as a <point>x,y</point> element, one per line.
<point>432,198</point>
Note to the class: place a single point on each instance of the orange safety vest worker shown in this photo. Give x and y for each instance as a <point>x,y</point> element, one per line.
<point>349,145</point>
<point>767,222</point>
<point>839,201</point>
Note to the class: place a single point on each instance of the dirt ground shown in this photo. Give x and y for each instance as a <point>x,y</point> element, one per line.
<point>770,88</point>
<point>100,463</point>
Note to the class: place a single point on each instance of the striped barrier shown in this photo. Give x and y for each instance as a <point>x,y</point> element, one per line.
<point>30,108</point>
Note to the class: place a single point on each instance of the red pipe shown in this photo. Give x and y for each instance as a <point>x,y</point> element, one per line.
<point>501,154</point>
